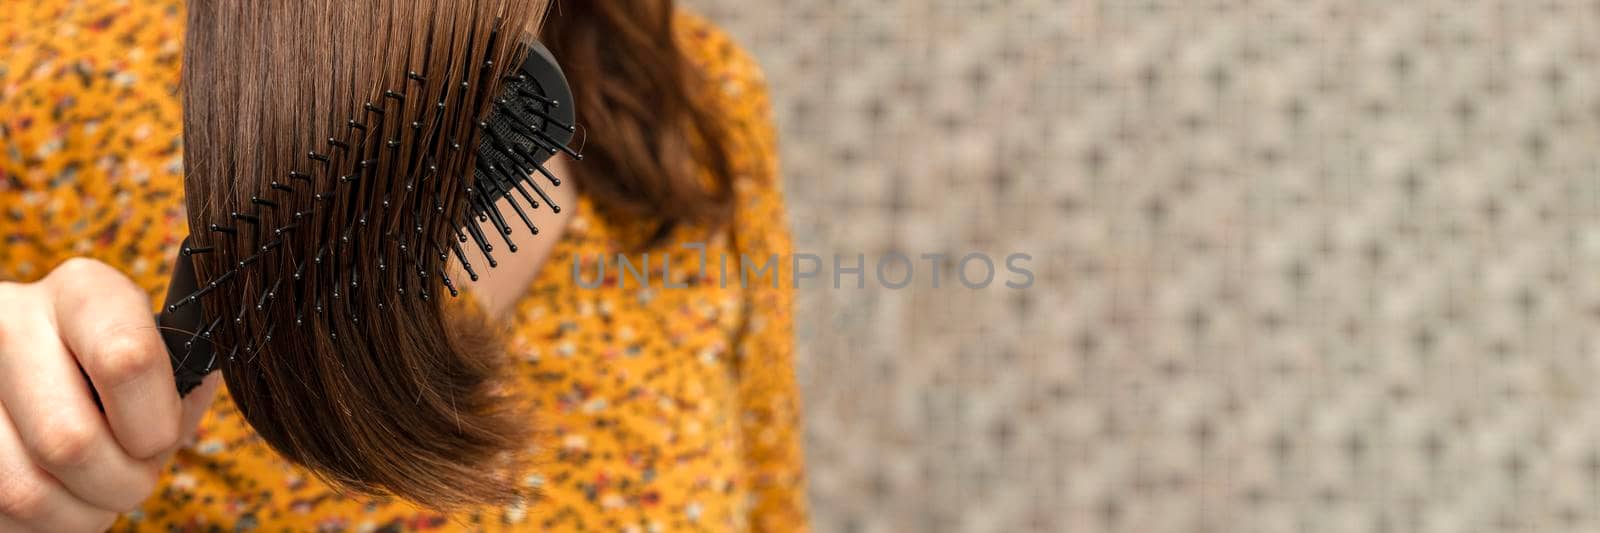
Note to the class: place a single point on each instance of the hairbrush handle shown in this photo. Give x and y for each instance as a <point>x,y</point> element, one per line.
<point>183,327</point>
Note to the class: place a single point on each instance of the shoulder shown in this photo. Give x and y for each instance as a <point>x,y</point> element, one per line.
<point>739,88</point>
<point>724,62</point>
<point>736,81</point>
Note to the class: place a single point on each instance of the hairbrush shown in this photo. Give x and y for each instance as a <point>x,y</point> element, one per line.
<point>531,120</point>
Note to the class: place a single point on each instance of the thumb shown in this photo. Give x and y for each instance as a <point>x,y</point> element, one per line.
<point>195,405</point>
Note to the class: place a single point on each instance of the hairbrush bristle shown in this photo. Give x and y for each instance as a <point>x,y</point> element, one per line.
<point>494,181</point>
<point>325,257</point>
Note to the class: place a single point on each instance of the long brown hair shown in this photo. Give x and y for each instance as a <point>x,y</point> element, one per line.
<point>335,352</point>
<point>324,173</point>
<point>657,147</point>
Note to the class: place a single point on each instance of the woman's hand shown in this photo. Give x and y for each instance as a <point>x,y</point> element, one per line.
<point>65,466</point>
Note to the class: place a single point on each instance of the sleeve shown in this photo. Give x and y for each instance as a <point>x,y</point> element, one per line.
<point>769,396</point>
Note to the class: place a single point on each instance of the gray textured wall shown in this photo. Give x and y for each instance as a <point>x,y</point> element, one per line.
<point>1302,265</point>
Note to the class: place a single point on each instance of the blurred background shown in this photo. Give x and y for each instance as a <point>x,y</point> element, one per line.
<point>1308,265</point>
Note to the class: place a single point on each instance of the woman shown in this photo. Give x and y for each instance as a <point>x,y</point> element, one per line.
<point>665,407</point>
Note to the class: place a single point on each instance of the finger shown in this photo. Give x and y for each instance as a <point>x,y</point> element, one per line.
<point>106,324</point>
<point>48,403</point>
<point>195,406</point>
<point>198,402</point>
<point>30,500</point>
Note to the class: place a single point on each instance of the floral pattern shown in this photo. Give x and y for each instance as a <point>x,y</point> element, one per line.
<point>666,407</point>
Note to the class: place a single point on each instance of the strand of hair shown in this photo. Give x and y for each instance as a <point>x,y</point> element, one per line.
<point>465,264</point>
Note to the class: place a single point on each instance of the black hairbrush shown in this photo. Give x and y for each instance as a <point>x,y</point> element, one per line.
<point>531,120</point>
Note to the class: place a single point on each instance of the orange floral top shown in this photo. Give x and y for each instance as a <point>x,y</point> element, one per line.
<point>659,407</point>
